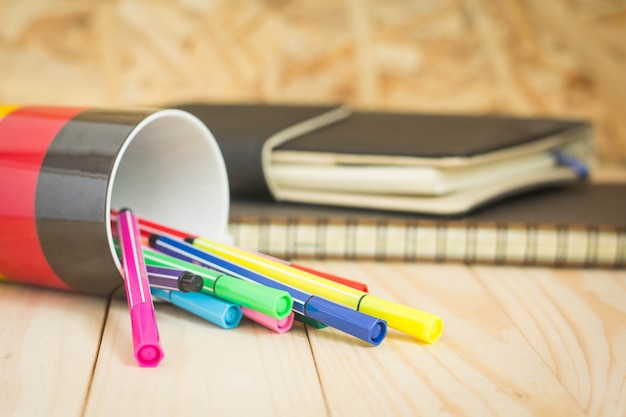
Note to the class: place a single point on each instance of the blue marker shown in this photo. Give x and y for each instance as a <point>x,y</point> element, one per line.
<point>370,329</point>
<point>220,312</point>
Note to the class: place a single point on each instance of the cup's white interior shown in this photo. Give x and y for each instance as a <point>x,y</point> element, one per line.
<point>171,170</point>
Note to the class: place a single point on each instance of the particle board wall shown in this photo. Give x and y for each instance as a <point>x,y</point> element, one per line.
<point>563,58</point>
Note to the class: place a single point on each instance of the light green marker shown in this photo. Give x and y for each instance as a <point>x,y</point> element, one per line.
<point>266,300</point>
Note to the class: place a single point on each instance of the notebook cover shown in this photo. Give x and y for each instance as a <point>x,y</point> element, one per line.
<point>424,135</point>
<point>241,130</point>
<point>583,203</point>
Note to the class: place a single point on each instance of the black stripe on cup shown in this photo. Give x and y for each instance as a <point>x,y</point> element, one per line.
<point>70,205</point>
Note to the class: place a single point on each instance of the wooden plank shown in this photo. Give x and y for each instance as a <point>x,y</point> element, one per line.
<point>482,366</point>
<point>206,370</point>
<point>576,321</point>
<point>49,343</point>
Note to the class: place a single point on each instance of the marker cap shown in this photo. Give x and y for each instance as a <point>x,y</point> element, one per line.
<point>424,326</point>
<point>173,278</point>
<point>190,282</point>
<point>278,325</point>
<point>148,350</point>
<point>365,327</point>
<point>270,301</point>
<point>217,311</point>
<point>266,300</point>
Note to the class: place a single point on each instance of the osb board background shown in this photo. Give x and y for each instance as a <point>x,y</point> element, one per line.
<point>562,58</point>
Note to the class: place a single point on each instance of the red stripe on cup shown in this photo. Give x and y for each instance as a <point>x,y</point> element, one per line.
<point>25,136</point>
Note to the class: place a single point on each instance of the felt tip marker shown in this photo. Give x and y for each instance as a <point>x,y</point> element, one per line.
<point>212,309</point>
<point>148,228</point>
<point>365,327</point>
<point>270,301</point>
<point>276,325</point>
<point>174,279</point>
<point>424,326</point>
<point>308,320</point>
<point>341,280</point>
<point>345,281</point>
<point>147,346</point>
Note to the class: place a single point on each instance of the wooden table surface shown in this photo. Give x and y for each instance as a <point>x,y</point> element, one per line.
<point>517,342</point>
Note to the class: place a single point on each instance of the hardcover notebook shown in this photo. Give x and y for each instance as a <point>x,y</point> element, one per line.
<point>576,225</point>
<point>438,164</point>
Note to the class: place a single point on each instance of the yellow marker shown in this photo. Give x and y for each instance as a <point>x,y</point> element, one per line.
<point>424,326</point>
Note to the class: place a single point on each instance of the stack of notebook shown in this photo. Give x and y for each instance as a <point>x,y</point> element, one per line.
<point>392,161</point>
<point>325,181</point>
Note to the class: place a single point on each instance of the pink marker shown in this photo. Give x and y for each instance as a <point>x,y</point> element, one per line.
<point>277,325</point>
<point>146,342</point>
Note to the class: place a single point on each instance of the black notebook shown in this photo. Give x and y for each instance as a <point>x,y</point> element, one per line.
<point>420,163</point>
<point>576,225</point>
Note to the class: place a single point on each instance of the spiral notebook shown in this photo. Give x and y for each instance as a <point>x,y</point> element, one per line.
<point>581,225</point>
<point>405,162</point>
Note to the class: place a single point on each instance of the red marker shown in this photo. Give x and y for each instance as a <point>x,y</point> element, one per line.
<point>347,282</point>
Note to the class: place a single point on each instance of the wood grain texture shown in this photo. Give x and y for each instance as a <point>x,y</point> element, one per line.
<point>482,366</point>
<point>48,346</point>
<point>576,322</point>
<point>206,370</point>
<point>517,342</point>
<point>563,59</point>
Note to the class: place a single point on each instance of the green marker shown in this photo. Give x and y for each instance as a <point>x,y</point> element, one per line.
<point>308,320</point>
<point>266,300</point>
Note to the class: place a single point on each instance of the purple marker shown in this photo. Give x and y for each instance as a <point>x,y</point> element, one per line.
<point>173,279</point>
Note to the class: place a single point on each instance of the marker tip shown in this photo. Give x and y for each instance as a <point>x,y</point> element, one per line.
<point>149,355</point>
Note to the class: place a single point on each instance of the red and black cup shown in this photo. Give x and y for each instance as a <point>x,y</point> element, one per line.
<point>63,169</point>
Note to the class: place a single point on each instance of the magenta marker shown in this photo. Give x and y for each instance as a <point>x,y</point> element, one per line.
<point>277,325</point>
<point>146,342</point>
